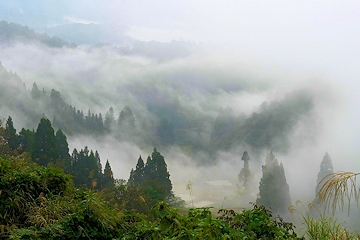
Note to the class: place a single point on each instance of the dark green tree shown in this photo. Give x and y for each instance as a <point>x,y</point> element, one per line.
<point>63,147</point>
<point>86,168</point>
<point>10,133</point>
<point>245,173</point>
<point>62,144</point>
<point>154,177</point>
<point>45,149</point>
<point>26,140</point>
<point>108,179</point>
<point>157,177</point>
<point>274,191</point>
<point>138,175</point>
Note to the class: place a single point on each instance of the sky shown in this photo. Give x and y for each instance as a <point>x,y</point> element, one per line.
<point>288,44</point>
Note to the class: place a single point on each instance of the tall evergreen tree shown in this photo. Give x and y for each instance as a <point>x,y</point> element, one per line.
<point>45,147</point>
<point>153,176</point>
<point>126,119</point>
<point>63,147</point>
<point>274,191</point>
<point>86,168</point>
<point>138,175</point>
<point>26,140</point>
<point>108,179</point>
<point>156,176</point>
<point>10,133</point>
<point>62,144</point>
<point>4,147</point>
<point>35,93</point>
<point>326,168</point>
<point>109,120</point>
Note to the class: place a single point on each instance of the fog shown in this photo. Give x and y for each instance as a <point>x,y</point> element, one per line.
<point>238,55</point>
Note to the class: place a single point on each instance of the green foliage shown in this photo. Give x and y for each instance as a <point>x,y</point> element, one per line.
<point>138,175</point>
<point>45,149</point>
<point>258,223</point>
<point>154,176</point>
<point>318,225</point>
<point>21,186</point>
<point>86,168</point>
<point>62,145</point>
<point>326,227</point>
<point>4,146</point>
<point>40,203</point>
<point>26,138</point>
<point>199,223</point>
<point>92,219</point>
<point>128,197</point>
<point>108,179</point>
<point>11,136</point>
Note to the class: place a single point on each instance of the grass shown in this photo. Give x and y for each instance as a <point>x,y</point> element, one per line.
<point>319,225</point>
<point>338,189</point>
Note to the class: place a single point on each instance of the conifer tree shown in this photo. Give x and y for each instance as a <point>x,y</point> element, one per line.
<point>108,179</point>
<point>35,93</point>
<point>86,168</point>
<point>109,120</point>
<point>45,147</point>
<point>161,174</point>
<point>326,168</point>
<point>10,133</point>
<point>63,147</point>
<point>26,140</point>
<point>138,175</point>
<point>154,176</point>
<point>150,168</point>
<point>274,191</point>
<point>126,119</point>
<point>62,144</point>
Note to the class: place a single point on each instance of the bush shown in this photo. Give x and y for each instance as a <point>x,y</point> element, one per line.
<point>21,187</point>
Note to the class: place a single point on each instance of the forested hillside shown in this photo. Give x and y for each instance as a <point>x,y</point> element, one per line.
<point>38,200</point>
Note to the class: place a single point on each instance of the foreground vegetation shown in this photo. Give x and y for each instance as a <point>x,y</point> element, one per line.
<point>42,203</point>
<point>47,194</point>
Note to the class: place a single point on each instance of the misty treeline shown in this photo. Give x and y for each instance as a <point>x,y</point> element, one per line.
<point>11,33</point>
<point>45,147</point>
<point>267,128</point>
<point>49,148</point>
<point>273,190</point>
<point>97,35</point>
<point>162,119</point>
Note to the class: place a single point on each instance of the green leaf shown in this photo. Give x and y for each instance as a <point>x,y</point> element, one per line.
<point>162,214</point>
